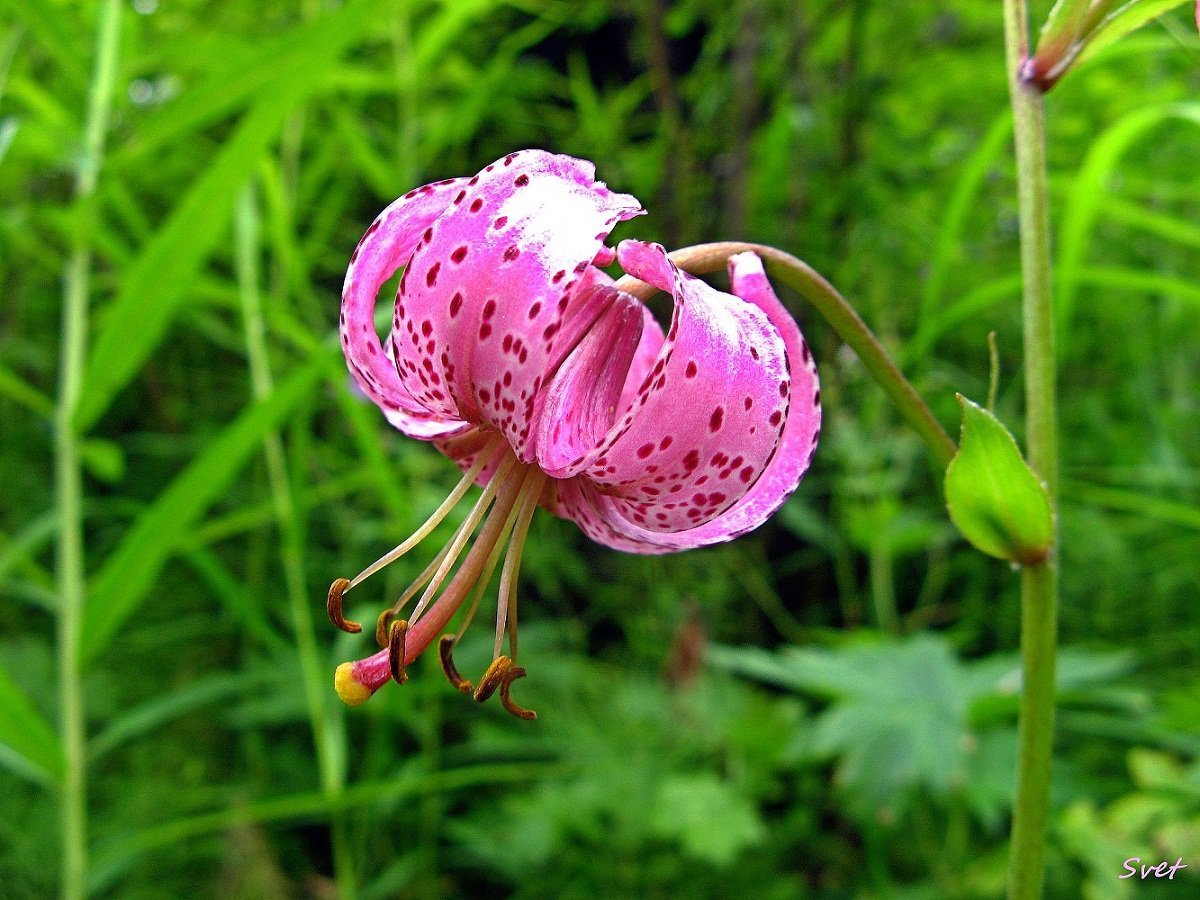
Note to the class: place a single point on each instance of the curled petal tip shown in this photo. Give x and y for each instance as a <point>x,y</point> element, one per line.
<point>351,691</point>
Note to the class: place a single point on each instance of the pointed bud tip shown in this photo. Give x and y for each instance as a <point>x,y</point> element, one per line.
<point>352,691</point>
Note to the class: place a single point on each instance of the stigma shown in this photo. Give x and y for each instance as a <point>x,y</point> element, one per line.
<point>456,579</point>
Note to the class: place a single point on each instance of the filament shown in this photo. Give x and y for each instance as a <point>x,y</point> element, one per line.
<point>463,534</point>
<point>506,604</point>
<point>495,446</point>
<point>485,578</point>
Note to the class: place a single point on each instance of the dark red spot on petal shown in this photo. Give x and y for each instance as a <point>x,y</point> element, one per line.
<point>456,303</point>
<point>534,310</point>
<point>477,204</point>
<point>691,370</point>
<point>521,180</point>
<point>432,274</point>
<point>645,450</point>
<point>717,419</point>
<point>459,254</point>
<point>500,222</point>
<point>512,253</point>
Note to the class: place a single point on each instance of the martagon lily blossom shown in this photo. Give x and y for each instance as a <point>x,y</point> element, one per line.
<point>527,365</point>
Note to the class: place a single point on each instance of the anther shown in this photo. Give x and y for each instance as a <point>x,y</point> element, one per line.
<point>396,636</point>
<point>382,626</point>
<point>445,649</point>
<point>506,696</point>
<point>492,678</point>
<point>333,606</point>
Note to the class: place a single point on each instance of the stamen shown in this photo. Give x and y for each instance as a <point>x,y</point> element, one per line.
<point>506,696</point>
<point>382,626</point>
<point>492,678</point>
<point>464,533</point>
<point>445,651</point>
<point>506,605</point>
<point>333,606</point>
<point>490,453</point>
<point>489,568</point>
<point>422,633</point>
<point>396,639</point>
<point>381,631</point>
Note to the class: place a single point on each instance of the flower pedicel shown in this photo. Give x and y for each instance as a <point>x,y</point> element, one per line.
<point>525,364</point>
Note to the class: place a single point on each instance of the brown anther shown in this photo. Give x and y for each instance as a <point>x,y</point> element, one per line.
<point>333,606</point>
<point>445,649</point>
<point>492,678</point>
<point>506,696</point>
<point>396,636</point>
<point>382,626</point>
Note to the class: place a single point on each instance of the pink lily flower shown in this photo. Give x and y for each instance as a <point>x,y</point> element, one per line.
<point>527,365</point>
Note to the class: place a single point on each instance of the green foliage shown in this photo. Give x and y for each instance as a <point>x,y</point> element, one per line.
<point>849,730</point>
<point>994,498</point>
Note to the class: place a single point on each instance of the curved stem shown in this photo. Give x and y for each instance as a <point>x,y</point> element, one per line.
<point>1039,584</point>
<point>72,587</point>
<point>838,312</point>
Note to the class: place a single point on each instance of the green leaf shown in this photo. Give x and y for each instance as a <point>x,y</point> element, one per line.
<point>28,745</point>
<point>710,819</point>
<point>103,459</point>
<point>1088,193</point>
<point>1128,18</point>
<point>128,574</point>
<point>303,54</point>
<point>996,501</point>
<point>898,717</point>
<point>157,284</point>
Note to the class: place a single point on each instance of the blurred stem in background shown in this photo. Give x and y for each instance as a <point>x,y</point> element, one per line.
<point>321,717</point>
<point>1039,583</point>
<point>72,587</point>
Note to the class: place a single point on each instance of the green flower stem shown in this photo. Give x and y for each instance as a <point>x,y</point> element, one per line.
<point>316,685</point>
<point>1039,583</point>
<point>841,316</point>
<point>68,477</point>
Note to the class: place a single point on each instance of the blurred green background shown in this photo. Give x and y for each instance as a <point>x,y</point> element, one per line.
<point>825,708</point>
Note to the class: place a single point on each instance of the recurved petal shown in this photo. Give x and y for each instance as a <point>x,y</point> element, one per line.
<point>482,303</point>
<point>581,402</point>
<point>578,499</point>
<point>742,356</point>
<point>387,245</point>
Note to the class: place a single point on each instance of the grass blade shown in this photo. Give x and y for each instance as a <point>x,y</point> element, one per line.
<point>28,745</point>
<point>128,574</point>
